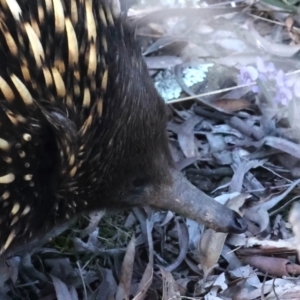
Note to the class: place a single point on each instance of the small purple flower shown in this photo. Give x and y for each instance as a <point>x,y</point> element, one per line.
<point>283,96</point>
<point>247,75</point>
<point>263,68</point>
<point>255,89</point>
<point>275,81</point>
<point>280,79</point>
<point>284,93</point>
<point>267,72</point>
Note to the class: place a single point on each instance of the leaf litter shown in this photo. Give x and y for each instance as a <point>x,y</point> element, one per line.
<point>229,73</point>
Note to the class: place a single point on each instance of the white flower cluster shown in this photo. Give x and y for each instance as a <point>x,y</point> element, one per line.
<point>167,85</point>
<point>180,3</point>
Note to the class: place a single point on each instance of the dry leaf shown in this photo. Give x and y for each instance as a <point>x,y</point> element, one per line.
<point>272,48</point>
<point>273,265</point>
<point>231,105</point>
<point>170,288</point>
<point>212,242</point>
<point>61,289</point>
<point>183,236</point>
<point>123,291</point>
<point>186,137</point>
<point>294,220</point>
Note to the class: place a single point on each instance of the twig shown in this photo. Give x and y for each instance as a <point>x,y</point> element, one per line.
<point>221,90</point>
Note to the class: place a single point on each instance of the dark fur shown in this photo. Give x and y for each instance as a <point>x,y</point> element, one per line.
<point>125,156</point>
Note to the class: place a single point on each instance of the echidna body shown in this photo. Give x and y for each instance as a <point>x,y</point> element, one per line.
<point>81,126</point>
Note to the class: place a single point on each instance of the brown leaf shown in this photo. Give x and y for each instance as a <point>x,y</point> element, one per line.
<point>211,243</point>
<point>145,283</point>
<point>231,105</point>
<point>186,137</point>
<point>183,236</point>
<point>273,265</point>
<point>147,278</point>
<point>283,145</point>
<point>170,288</point>
<point>260,217</point>
<point>61,290</point>
<point>108,286</point>
<point>243,167</point>
<point>123,291</point>
<point>294,220</point>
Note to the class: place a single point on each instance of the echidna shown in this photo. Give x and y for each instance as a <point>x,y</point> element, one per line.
<point>81,124</point>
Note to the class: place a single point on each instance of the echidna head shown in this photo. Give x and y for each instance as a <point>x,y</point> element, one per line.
<point>135,165</point>
<point>130,144</point>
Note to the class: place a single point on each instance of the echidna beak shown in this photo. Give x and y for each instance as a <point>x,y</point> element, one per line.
<point>187,200</point>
